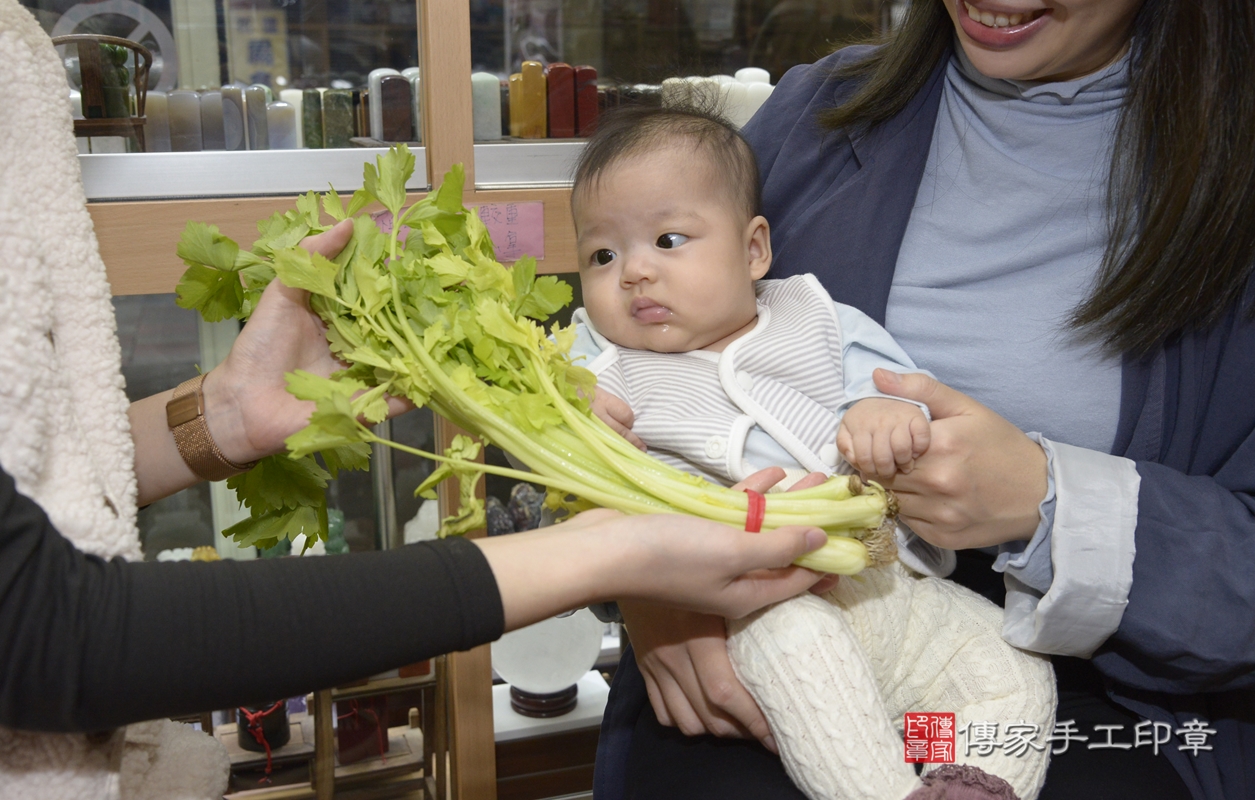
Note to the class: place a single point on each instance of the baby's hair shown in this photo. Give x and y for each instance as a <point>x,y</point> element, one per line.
<point>634,130</point>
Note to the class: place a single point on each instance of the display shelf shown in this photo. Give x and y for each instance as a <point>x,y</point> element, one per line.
<point>509,725</point>
<point>559,765</point>
<point>545,758</point>
<point>401,761</point>
<point>526,165</point>
<point>299,747</point>
<point>383,686</point>
<point>207,174</point>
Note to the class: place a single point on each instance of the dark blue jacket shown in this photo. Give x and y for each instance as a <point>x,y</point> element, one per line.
<point>1185,648</point>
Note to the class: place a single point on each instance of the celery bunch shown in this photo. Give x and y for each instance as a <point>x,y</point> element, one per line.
<point>435,318</point>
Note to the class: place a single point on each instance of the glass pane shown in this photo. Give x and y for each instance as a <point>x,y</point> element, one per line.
<point>241,74</point>
<point>160,350</point>
<point>631,51</point>
<point>416,517</point>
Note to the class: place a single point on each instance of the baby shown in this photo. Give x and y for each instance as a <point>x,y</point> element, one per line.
<point>721,373</point>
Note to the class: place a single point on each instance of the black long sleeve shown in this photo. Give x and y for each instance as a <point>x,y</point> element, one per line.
<point>88,644</point>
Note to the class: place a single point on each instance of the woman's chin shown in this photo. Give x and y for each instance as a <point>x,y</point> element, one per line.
<point>1016,64</point>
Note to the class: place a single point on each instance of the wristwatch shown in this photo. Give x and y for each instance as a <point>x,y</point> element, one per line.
<point>185,414</point>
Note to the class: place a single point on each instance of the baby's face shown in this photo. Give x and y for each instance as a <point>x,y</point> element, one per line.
<point>667,260</point>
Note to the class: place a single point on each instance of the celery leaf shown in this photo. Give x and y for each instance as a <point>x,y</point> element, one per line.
<point>449,195</point>
<point>387,183</point>
<point>215,293</point>
<point>281,482</point>
<point>334,207</point>
<point>203,244</point>
<point>302,269</point>
<point>351,457</point>
<point>268,529</point>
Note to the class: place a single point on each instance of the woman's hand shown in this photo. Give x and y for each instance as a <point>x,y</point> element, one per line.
<point>688,675</point>
<point>981,480</point>
<point>248,408</point>
<point>687,562</point>
<point>710,569</point>
<point>684,657</point>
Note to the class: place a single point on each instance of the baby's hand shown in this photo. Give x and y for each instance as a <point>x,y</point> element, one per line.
<point>879,436</point>
<point>618,415</point>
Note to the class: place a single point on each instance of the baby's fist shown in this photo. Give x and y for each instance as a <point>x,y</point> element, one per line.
<point>618,415</point>
<point>881,436</point>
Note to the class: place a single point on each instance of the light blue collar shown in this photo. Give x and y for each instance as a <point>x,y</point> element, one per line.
<point>1113,77</point>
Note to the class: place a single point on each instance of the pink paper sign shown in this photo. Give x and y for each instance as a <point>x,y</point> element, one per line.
<point>517,229</point>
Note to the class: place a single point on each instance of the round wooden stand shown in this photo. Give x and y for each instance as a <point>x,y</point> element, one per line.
<point>551,704</point>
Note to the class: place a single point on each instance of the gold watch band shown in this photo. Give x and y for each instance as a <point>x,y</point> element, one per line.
<point>185,414</point>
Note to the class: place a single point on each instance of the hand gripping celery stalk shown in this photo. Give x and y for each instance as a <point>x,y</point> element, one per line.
<point>433,317</point>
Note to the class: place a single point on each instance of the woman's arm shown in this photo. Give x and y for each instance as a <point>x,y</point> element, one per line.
<point>91,644</point>
<point>1188,625</point>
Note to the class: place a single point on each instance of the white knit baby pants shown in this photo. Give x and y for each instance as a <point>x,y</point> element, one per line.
<point>834,676</point>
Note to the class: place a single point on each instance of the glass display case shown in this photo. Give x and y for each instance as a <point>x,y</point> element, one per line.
<point>545,69</point>
<point>248,103</point>
<point>235,88</point>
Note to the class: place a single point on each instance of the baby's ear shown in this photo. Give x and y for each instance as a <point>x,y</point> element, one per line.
<point>758,245</point>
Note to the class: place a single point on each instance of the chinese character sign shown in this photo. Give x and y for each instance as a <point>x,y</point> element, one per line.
<point>981,738</point>
<point>517,229</point>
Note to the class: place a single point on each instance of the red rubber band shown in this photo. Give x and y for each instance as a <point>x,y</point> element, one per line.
<point>757,510</point>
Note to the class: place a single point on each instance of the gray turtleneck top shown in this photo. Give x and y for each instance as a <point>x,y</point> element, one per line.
<point>1009,228</point>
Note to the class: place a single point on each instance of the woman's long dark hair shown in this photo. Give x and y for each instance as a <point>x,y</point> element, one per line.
<point>1181,197</point>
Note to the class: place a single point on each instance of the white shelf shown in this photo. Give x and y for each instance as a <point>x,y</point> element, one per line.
<point>537,164</point>
<point>534,164</point>
<point>509,725</point>
<point>218,173</point>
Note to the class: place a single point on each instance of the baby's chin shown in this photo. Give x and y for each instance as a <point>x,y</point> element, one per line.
<point>656,340</point>
<point>681,344</point>
<point>657,337</point>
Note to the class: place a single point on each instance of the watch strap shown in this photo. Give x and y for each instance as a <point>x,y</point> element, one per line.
<point>185,414</point>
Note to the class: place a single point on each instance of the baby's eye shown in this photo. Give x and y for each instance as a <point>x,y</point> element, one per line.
<point>603,257</point>
<point>670,240</point>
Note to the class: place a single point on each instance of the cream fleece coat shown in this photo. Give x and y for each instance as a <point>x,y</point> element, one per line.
<point>64,434</point>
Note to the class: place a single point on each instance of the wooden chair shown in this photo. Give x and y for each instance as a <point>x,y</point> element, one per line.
<point>91,70</point>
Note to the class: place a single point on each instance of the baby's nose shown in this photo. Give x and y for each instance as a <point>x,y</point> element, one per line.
<point>637,268</point>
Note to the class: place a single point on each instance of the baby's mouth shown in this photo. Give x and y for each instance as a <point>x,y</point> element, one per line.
<point>1000,19</point>
<point>646,310</point>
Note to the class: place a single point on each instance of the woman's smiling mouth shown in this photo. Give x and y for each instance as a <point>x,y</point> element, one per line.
<point>991,19</point>
<point>999,28</point>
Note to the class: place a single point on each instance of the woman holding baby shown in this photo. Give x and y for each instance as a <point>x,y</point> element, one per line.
<point>1048,205</point>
